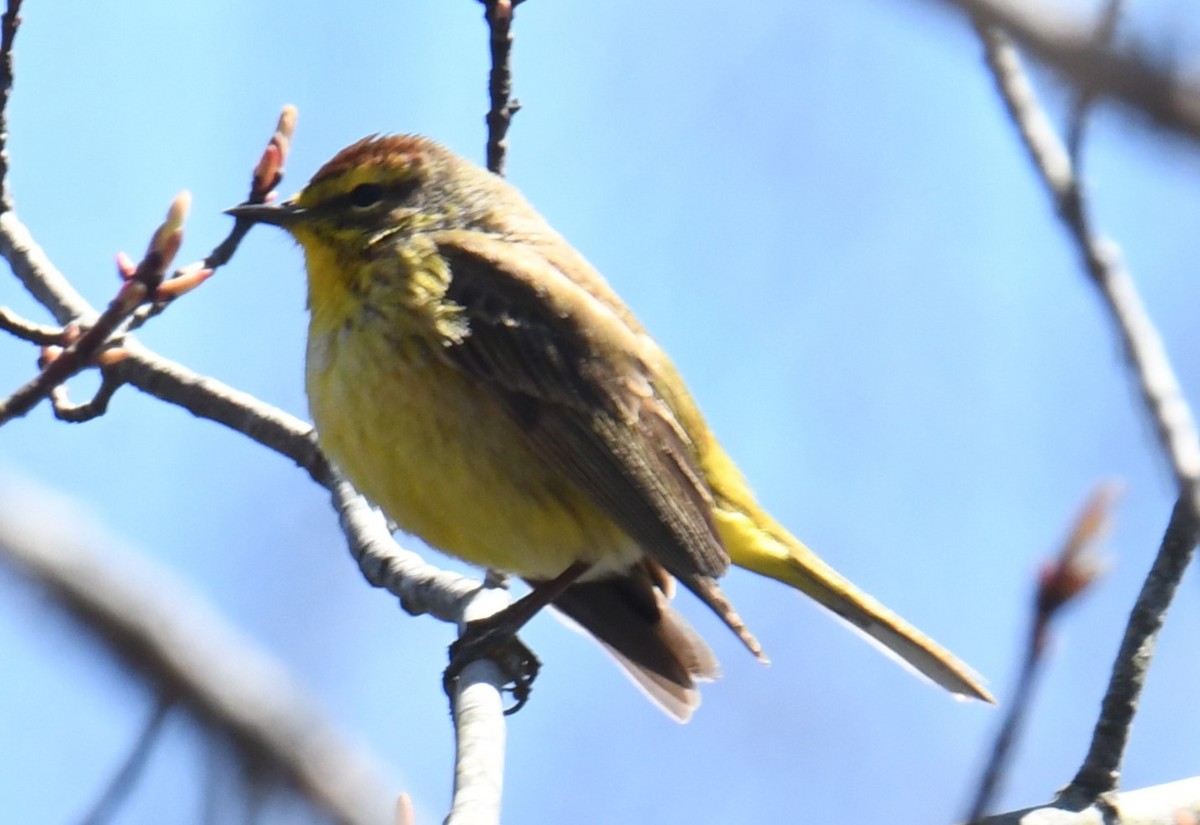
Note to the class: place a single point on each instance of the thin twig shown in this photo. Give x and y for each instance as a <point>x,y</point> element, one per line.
<point>477,696</point>
<point>131,769</point>
<point>38,274</point>
<point>10,21</point>
<point>499,16</point>
<point>139,286</point>
<point>94,407</point>
<point>1101,768</point>
<point>1060,581</point>
<point>1010,729</point>
<point>1143,346</point>
<point>145,292</point>
<point>421,587</point>
<point>26,330</point>
<point>266,176</point>
<point>1161,396</point>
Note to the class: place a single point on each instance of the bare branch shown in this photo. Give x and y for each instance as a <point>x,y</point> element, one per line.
<point>266,175</point>
<point>1148,360</point>
<point>479,729</point>
<point>1101,768</point>
<point>1174,803</point>
<point>9,22</point>
<point>1070,47</point>
<point>420,587</point>
<point>140,284</point>
<point>1060,581</point>
<point>167,635</point>
<point>17,246</point>
<point>27,330</point>
<point>38,274</point>
<point>1161,395</point>
<point>94,407</point>
<point>499,15</point>
<point>131,769</point>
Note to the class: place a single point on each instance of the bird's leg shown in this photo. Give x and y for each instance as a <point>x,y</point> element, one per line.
<point>496,637</point>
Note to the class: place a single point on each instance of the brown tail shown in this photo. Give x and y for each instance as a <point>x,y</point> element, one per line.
<point>631,616</point>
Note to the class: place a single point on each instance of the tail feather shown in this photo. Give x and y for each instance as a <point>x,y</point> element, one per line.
<point>630,615</point>
<point>758,544</point>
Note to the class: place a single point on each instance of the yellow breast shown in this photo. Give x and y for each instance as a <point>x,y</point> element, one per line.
<point>434,449</point>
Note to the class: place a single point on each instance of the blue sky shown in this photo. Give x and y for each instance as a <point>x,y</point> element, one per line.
<point>822,213</point>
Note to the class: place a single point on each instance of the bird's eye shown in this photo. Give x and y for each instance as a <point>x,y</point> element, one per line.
<point>365,195</point>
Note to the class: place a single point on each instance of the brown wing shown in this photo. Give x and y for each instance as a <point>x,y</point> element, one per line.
<point>568,371</point>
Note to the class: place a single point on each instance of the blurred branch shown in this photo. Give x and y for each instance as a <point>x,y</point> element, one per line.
<point>1060,581</point>
<point>1071,48</point>
<point>167,635</point>
<point>1102,259</point>
<point>131,769</point>
<point>1175,803</point>
<point>1161,395</point>
<point>27,330</point>
<point>1085,95</point>
<point>94,407</point>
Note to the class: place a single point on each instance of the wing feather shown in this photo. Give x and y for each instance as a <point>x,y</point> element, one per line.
<point>569,371</point>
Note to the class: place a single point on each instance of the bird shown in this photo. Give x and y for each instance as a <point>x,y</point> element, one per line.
<point>473,375</point>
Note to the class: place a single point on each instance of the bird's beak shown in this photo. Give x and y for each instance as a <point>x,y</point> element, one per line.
<point>285,214</point>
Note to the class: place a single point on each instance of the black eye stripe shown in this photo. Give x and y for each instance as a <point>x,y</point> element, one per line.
<point>366,195</point>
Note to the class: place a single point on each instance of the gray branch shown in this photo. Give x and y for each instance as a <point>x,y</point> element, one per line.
<point>1162,397</point>
<point>1070,47</point>
<point>165,633</point>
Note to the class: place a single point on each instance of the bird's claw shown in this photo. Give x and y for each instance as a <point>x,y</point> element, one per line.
<point>481,640</point>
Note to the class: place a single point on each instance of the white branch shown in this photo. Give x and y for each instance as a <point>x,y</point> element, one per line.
<point>1169,804</point>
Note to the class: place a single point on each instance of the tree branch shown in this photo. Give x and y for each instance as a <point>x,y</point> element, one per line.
<point>1175,803</point>
<point>499,15</point>
<point>479,729</point>
<point>131,769</point>
<point>9,22</point>
<point>420,587</point>
<point>1071,48</point>
<point>1161,395</point>
<point>164,633</point>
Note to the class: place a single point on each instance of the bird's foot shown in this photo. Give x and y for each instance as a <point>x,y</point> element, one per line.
<point>497,641</point>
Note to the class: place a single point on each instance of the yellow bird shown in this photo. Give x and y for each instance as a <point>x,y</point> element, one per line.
<point>472,374</point>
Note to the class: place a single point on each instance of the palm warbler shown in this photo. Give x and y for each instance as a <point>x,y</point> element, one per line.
<point>471,373</point>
